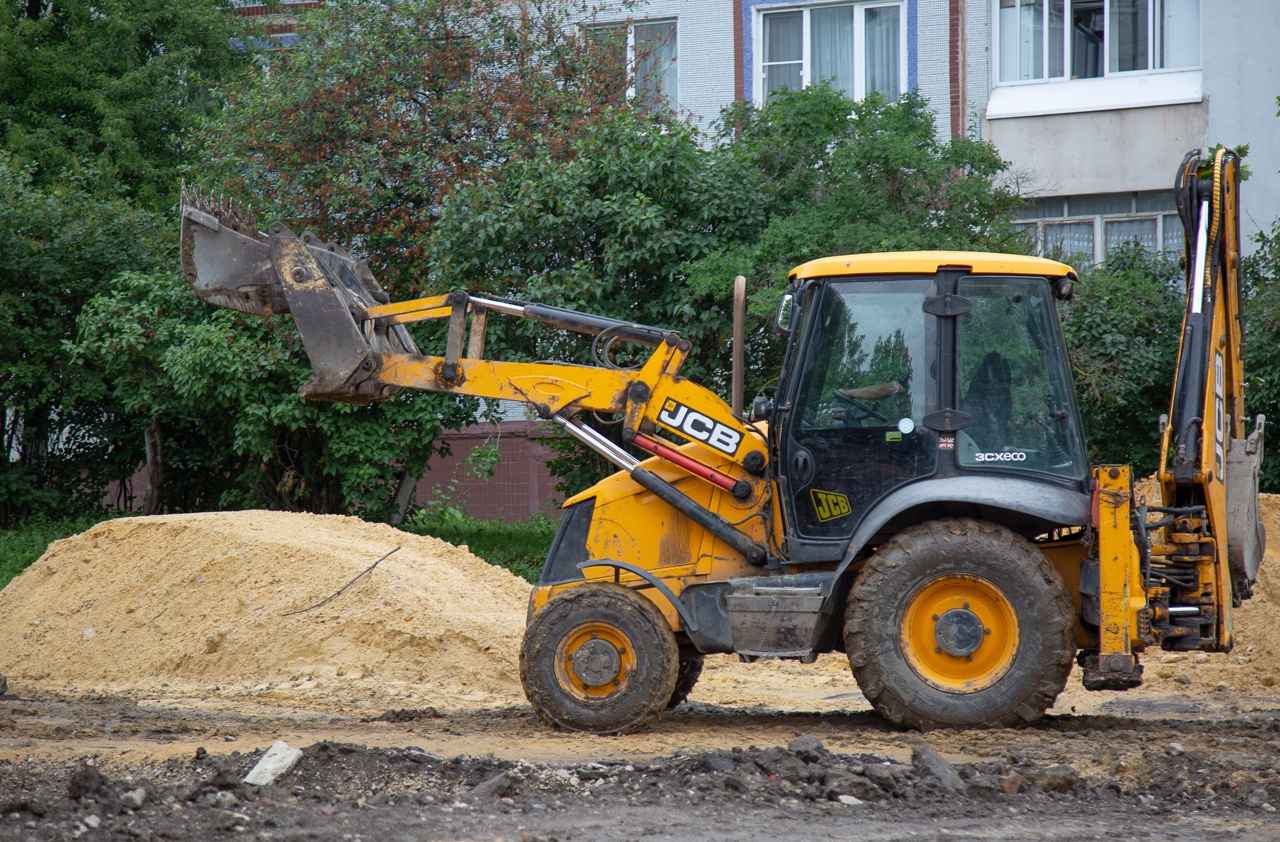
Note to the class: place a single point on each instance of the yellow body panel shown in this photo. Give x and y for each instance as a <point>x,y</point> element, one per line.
<point>1122,593</point>
<point>632,526</point>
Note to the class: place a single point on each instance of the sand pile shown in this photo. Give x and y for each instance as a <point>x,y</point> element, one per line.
<point>197,604</point>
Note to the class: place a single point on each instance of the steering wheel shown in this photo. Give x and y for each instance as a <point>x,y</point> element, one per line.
<point>867,411</point>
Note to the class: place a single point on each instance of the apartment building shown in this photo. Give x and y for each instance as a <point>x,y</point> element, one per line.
<point>681,52</point>
<point>1095,103</point>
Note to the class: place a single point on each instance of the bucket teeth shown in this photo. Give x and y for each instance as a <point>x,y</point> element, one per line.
<point>230,213</point>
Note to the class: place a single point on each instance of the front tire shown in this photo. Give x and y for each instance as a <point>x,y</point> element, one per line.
<point>599,658</point>
<point>959,623</point>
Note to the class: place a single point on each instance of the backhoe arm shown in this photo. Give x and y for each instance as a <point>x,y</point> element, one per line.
<point>1170,574</point>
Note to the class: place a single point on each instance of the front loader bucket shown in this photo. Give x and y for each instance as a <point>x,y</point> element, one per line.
<point>226,261</point>
<point>231,264</point>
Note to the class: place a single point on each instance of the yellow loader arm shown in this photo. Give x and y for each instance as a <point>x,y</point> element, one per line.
<point>361,352</point>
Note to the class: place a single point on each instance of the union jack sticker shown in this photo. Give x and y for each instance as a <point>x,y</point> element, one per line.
<point>946,442</point>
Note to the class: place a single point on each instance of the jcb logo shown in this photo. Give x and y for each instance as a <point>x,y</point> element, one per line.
<point>699,427</point>
<point>829,505</point>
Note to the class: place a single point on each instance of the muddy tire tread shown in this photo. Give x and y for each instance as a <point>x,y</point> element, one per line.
<point>658,666</point>
<point>868,593</point>
<point>690,670</point>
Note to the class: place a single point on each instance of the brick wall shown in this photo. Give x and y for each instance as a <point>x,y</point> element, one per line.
<point>520,486</point>
<point>933,51</point>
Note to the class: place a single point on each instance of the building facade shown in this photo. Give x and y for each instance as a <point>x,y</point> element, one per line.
<point>1095,103</point>
<point>681,52</point>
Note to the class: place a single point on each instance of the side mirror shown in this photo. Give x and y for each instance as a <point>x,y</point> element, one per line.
<point>786,313</point>
<point>761,409</point>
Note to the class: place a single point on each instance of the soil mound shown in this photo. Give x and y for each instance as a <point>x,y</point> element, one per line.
<point>220,603</point>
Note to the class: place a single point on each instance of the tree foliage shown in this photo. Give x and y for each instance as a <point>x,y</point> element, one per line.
<point>361,130</point>
<point>1261,271</point>
<point>59,246</point>
<point>639,221</point>
<point>113,90</point>
<point>851,177</point>
<point>1122,330</point>
<point>224,387</point>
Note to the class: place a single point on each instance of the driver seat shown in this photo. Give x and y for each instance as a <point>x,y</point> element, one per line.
<point>989,400</point>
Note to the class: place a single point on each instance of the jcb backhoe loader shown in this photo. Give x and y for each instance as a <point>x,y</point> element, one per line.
<point>916,493</point>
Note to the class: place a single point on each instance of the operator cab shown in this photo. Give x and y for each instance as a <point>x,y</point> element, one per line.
<point>909,368</point>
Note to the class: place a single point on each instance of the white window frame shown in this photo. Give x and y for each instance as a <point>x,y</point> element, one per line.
<point>632,68</point>
<point>1152,49</point>
<point>759,95</point>
<point>632,91</point>
<point>1098,222</point>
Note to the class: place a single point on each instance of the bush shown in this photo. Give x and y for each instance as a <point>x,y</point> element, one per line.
<point>1122,330</point>
<point>520,546</point>
<point>1261,278</point>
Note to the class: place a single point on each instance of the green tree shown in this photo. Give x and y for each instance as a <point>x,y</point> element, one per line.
<point>604,229</point>
<point>362,128</point>
<point>1122,330</point>
<point>112,89</point>
<point>861,177</point>
<point>1261,273</point>
<point>96,108</point>
<point>225,386</point>
<point>638,221</point>
<point>124,335</point>
<point>60,245</point>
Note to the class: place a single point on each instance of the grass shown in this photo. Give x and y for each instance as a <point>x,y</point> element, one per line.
<point>26,542</point>
<point>519,546</point>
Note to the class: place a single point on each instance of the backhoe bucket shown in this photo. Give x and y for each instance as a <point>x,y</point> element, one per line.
<point>231,264</point>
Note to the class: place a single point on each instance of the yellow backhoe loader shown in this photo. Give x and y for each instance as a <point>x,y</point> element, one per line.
<point>916,493</point>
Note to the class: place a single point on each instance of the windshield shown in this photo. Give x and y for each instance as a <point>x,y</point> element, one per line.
<point>1014,381</point>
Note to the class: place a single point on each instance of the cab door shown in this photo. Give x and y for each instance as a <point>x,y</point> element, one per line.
<point>863,377</point>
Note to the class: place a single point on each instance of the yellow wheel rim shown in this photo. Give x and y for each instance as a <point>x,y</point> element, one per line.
<point>594,661</point>
<point>959,634</point>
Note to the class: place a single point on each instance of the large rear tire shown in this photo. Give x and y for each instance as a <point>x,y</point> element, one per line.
<point>599,658</point>
<point>960,623</point>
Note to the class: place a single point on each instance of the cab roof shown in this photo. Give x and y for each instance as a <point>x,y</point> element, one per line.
<point>928,263</point>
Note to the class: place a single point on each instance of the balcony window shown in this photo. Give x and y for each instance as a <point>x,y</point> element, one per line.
<point>857,48</point>
<point>1086,39</point>
<point>1088,227</point>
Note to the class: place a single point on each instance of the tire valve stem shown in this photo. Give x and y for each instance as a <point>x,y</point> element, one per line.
<point>986,631</point>
<point>937,649</point>
<point>936,618</point>
<point>969,658</point>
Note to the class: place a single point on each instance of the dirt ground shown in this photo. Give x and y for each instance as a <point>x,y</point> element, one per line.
<point>150,664</point>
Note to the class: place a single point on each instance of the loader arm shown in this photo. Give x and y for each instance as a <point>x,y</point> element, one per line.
<point>360,352</point>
